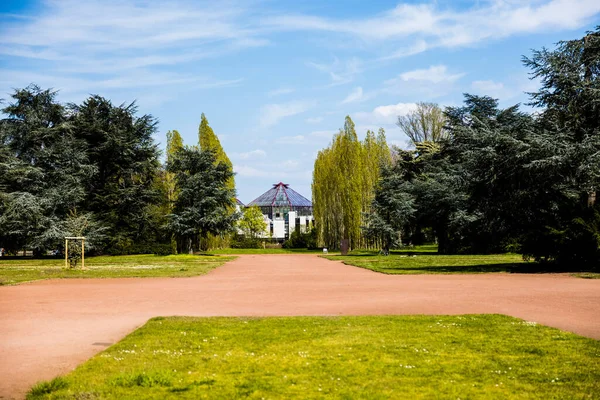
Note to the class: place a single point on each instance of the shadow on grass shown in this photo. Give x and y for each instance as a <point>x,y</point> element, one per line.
<point>512,268</point>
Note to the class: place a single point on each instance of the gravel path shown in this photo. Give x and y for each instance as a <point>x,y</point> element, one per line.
<point>49,327</point>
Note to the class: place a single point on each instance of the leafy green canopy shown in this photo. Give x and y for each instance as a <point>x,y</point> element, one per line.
<point>507,180</point>
<point>205,199</point>
<point>252,222</point>
<point>44,167</point>
<point>344,179</point>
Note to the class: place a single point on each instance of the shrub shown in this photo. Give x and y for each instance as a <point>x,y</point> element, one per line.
<point>246,243</point>
<point>299,240</point>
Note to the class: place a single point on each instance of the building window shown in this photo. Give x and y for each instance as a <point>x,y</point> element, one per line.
<point>277,215</point>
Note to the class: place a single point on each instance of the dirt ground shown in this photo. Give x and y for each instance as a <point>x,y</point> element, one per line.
<point>47,328</point>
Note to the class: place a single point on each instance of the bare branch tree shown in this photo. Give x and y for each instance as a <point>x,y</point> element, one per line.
<point>425,124</point>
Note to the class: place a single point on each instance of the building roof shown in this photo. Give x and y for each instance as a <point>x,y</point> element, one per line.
<point>239,203</point>
<point>281,195</point>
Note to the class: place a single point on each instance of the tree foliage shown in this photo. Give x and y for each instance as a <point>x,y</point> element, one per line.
<point>252,222</point>
<point>204,204</point>
<point>425,124</point>
<point>87,169</point>
<point>344,179</point>
<point>508,180</point>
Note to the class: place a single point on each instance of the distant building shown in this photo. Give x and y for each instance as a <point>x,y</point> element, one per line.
<point>285,210</point>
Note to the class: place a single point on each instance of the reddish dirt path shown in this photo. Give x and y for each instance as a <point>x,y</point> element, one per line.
<point>49,327</point>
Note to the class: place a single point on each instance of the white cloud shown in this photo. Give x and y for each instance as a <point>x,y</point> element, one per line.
<point>254,154</point>
<point>291,164</point>
<point>271,114</point>
<point>314,120</point>
<point>385,115</point>
<point>489,88</point>
<point>248,171</point>
<point>291,139</point>
<point>354,96</point>
<point>323,134</point>
<point>339,72</point>
<point>434,74</point>
<point>115,44</point>
<point>280,91</point>
<point>430,26</point>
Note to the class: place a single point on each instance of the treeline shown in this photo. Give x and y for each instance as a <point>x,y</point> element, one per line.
<point>344,180</point>
<point>503,179</point>
<point>93,169</point>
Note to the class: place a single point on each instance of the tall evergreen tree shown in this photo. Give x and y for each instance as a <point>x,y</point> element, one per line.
<point>208,141</point>
<point>205,198</point>
<point>121,148</point>
<point>43,168</point>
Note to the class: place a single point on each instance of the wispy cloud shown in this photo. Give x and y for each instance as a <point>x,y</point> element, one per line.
<point>434,74</point>
<point>281,91</point>
<point>432,26</point>
<point>298,139</point>
<point>340,72</point>
<point>385,115</point>
<point>354,96</point>
<point>114,44</point>
<point>314,120</point>
<point>271,114</point>
<point>249,155</point>
<point>252,172</point>
<point>323,134</point>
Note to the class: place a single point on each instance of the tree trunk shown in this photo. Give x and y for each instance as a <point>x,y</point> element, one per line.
<point>591,200</point>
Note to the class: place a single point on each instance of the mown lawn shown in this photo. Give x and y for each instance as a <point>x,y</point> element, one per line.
<point>147,265</point>
<point>402,357</point>
<point>432,263</point>
<point>264,251</point>
<point>426,260</point>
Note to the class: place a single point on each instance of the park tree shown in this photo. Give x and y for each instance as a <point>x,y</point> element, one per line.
<point>174,144</point>
<point>392,207</point>
<point>120,146</point>
<point>252,222</point>
<point>209,141</point>
<point>44,168</point>
<point>344,179</point>
<point>205,199</point>
<point>569,99</point>
<point>425,124</point>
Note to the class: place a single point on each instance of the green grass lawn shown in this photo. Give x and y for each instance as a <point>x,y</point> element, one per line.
<point>432,263</point>
<point>264,251</point>
<point>147,265</point>
<point>426,260</point>
<point>402,357</point>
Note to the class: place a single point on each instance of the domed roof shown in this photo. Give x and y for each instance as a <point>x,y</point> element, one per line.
<point>281,195</point>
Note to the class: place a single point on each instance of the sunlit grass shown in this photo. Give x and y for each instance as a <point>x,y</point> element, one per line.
<point>431,263</point>
<point>264,251</point>
<point>147,265</point>
<point>407,357</point>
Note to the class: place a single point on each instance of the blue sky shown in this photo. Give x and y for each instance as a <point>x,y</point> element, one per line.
<point>276,78</point>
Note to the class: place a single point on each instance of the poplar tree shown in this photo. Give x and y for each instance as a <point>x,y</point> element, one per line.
<point>208,141</point>
<point>174,143</point>
<point>344,179</point>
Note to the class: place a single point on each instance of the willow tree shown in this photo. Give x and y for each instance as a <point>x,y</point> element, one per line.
<point>209,141</point>
<point>344,178</point>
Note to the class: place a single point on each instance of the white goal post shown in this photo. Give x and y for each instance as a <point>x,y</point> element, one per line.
<point>67,238</point>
